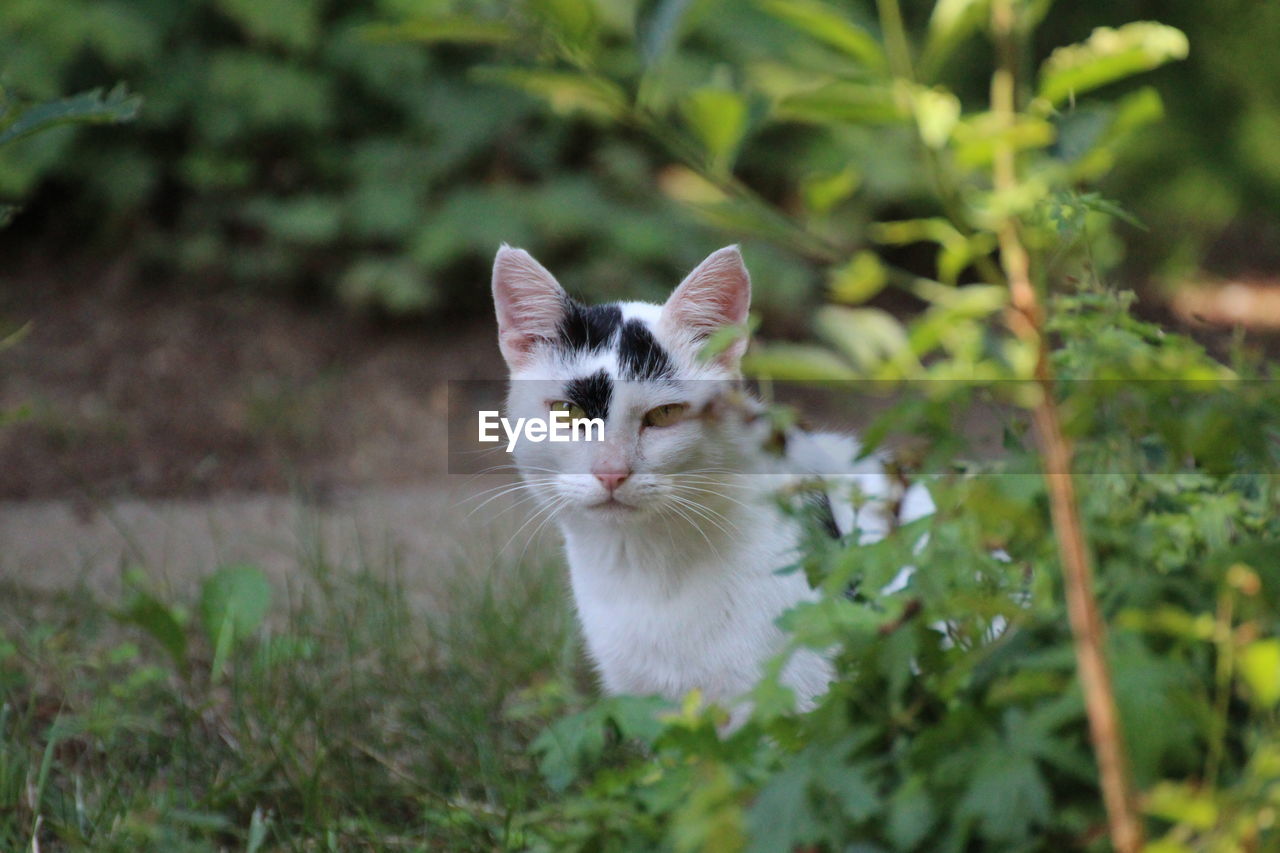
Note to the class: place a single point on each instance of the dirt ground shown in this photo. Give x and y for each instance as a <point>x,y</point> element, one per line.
<point>123,392</point>
<point>181,430</point>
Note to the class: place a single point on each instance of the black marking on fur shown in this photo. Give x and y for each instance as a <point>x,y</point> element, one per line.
<point>639,354</point>
<point>823,514</point>
<point>593,393</point>
<point>588,327</point>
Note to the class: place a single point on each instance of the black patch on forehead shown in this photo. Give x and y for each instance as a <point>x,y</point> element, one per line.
<point>639,354</point>
<point>588,327</point>
<point>593,393</point>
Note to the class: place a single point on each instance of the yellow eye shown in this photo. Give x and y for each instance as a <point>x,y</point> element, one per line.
<point>665,415</point>
<point>575,411</point>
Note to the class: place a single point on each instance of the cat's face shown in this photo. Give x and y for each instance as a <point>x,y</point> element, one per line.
<point>668,435</point>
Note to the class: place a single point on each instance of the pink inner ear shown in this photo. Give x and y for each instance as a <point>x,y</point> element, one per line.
<point>528,301</point>
<point>717,293</point>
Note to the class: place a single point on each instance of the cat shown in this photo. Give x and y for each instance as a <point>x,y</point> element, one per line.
<point>673,535</point>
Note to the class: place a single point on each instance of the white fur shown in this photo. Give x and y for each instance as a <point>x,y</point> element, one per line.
<point>676,580</point>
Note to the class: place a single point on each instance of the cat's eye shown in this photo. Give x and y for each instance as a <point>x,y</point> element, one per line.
<point>665,415</point>
<point>575,411</point>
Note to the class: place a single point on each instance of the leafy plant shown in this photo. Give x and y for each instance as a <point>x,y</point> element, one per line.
<point>296,149</point>
<point>1000,701</point>
<point>19,121</point>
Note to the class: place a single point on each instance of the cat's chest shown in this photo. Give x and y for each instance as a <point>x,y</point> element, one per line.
<point>668,628</point>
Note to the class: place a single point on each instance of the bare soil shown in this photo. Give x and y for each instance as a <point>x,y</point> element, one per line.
<point>119,390</point>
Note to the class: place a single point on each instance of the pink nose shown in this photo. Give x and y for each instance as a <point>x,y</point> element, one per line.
<point>611,478</point>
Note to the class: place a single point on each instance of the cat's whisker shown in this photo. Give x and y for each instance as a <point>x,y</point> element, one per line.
<point>522,502</point>
<point>679,513</point>
<point>517,504</point>
<point>522,480</point>
<point>528,481</point>
<point>705,491</point>
<point>510,467</point>
<point>545,508</point>
<point>559,505</point>
<point>676,490</point>
<point>506,489</point>
<point>711,516</point>
<point>670,536</point>
<point>735,483</point>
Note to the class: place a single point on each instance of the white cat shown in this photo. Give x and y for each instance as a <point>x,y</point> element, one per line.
<point>674,538</point>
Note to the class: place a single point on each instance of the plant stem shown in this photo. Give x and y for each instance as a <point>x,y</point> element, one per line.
<point>1026,320</point>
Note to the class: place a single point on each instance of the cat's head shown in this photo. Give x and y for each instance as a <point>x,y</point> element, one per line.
<point>637,366</point>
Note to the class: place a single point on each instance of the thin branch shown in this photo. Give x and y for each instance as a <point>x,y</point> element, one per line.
<point>1026,320</point>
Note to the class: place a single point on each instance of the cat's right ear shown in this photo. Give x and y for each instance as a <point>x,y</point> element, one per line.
<point>529,303</point>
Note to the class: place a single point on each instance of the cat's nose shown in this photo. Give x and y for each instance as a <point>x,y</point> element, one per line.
<point>611,476</point>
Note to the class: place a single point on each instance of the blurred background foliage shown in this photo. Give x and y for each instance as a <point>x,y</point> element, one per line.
<point>307,146</point>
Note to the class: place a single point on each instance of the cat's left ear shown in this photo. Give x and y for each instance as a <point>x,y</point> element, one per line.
<point>529,303</point>
<point>716,294</point>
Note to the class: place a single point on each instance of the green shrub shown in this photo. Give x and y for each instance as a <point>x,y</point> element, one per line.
<point>284,148</point>
<point>961,720</point>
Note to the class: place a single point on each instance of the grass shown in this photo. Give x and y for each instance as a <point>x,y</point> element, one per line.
<point>352,719</point>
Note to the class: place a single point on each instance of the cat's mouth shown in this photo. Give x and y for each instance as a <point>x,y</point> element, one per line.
<point>612,504</point>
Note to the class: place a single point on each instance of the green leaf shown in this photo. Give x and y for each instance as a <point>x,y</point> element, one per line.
<point>1109,55</point>
<point>798,362</point>
<point>86,108</point>
<point>842,103</point>
<point>259,825</point>
<point>869,337</point>
<point>859,279</point>
<point>255,90</point>
<point>1007,795</point>
<point>819,624</point>
<point>153,616</point>
<point>822,191</point>
<point>569,744</point>
<point>976,137</point>
<point>294,24</point>
<point>566,91</point>
<point>951,23</point>
<point>721,339</point>
<point>829,26</point>
<point>1088,139</point>
<point>659,25</point>
<point>1260,669</point>
<point>783,815</point>
<point>309,219</point>
<point>226,634</point>
<point>234,599</point>
<point>848,784</point>
<point>574,22</point>
<point>937,113</point>
<point>450,29</point>
<point>911,814</point>
<point>1181,803</point>
<point>718,118</point>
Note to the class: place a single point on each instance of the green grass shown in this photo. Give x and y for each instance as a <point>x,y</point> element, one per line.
<point>355,718</point>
